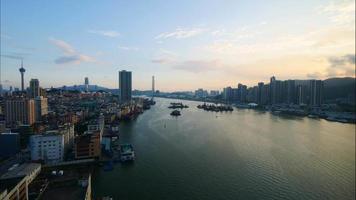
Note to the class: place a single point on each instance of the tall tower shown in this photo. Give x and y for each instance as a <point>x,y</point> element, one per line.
<point>125,85</point>
<point>22,71</point>
<point>153,86</point>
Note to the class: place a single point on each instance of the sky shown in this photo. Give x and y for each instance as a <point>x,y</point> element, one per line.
<point>185,44</point>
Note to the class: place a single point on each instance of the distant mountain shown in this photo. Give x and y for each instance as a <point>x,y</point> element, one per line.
<point>339,87</point>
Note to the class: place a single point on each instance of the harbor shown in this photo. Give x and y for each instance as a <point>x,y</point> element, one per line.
<point>172,155</point>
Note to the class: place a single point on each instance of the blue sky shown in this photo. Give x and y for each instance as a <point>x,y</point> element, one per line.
<point>185,44</point>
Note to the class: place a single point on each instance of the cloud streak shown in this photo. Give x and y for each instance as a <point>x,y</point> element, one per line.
<point>106,33</point>
<point>342,66</point>
<point>71,56</point>
<point>181,33</point>
<point>337,66</point>
<point>341,12</point>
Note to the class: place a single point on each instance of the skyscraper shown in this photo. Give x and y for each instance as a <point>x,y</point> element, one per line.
<point>291,92</point>
<point>41,107</point>
<point>86,82</point>
<point>301,94</point>
<point>34,88</point>
<point>243,92</point>
<point>153,86</point>
<point>275,91</point>
<point>228,94</point>
<point>260,93</point>
<point>20,110</point>
<point>316,92</point>
<point>125,85</point>
<point>22,71</point>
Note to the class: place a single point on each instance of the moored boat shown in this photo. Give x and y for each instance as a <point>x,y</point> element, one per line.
<point>127,153</point>
<point>175,113</point>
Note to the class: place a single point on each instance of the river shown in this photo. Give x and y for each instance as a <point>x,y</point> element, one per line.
<point>244,154</point>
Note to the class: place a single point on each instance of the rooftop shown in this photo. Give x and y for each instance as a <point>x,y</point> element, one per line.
<point>9,184</point>
<point>71,185</point>
<point>70,190</point>
<point>20,171</point>
<point>10,133</point>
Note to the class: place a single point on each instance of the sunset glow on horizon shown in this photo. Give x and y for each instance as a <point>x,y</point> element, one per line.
<point>185,44</point>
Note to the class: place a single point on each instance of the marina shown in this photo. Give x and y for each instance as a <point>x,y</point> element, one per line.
<point>245,154</point>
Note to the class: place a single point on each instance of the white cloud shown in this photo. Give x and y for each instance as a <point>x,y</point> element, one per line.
<point>181,33</point>
<point>164,56</point>
<point>64,46</point>
<point>340,12</point>
<point>106,33</point>
<point>70,54</point>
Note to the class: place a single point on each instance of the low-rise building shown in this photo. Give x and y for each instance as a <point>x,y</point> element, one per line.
<point>9,144</point>
<point>14,183</point>
<point>47,147</point>
<point>88,145</point>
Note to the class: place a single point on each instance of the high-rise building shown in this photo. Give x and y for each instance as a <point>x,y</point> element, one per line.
<point>86,83</point>
<point>243,92</point>
<point>235,94</point>
<point>228,94</point>
<point>260,93</point>
<point>301,94</point>
<point>291,92</point>
<point>201,93</point>
<point>34,88</point>
<point>275,91</point>
<point>153,86</point>
<point>254,94</point>
<point>125,85</point>
<point>41,107</point>
<point>316,92</point>
<point>214,93</point>
<point>20,111</point>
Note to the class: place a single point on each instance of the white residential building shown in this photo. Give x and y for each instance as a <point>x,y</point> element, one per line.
<point>47,147</point>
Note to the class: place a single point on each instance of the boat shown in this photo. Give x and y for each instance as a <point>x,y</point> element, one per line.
<point>177,105</point>
<point>127,153</point>
<point>215,108</point>
<point>175,113</point>
<point>313,116</point>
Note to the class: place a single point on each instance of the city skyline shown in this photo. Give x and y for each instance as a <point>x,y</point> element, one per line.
<point>211,46</point>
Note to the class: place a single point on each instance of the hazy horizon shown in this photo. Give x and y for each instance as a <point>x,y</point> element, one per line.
<point>185,45</point>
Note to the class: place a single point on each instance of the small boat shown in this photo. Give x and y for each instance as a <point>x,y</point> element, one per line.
<point>127,153</point>
<point>175,113</point>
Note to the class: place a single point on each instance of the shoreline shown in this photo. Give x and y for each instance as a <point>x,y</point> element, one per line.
<point>274,112</point>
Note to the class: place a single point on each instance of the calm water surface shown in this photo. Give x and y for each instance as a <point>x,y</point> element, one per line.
<point>244,154</point>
